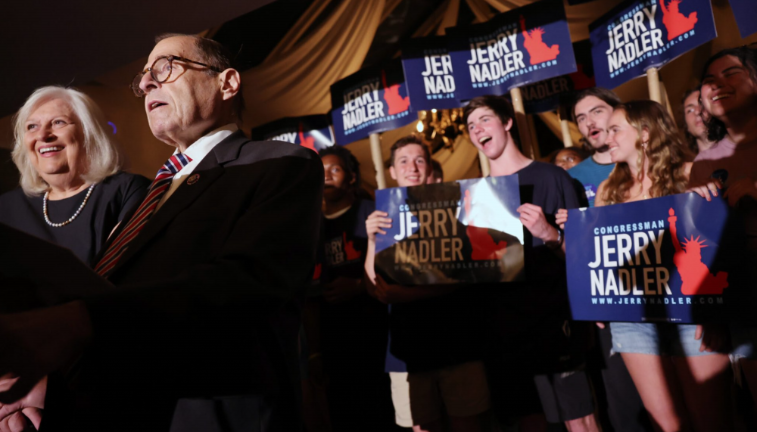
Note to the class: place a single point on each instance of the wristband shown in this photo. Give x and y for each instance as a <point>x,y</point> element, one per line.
<point>557,243</point>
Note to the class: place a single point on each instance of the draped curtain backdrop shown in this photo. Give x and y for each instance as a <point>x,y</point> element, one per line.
<point>330,41</point>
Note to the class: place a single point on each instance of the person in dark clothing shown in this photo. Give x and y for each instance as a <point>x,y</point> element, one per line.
<point>8,172</point>
<point>433,357</point>
<point>352,328</point>
<point>531,319</point>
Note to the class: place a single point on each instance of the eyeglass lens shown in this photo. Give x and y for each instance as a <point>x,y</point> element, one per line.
<point>160,71</point>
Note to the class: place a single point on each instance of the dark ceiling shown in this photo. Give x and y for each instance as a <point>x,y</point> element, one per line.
<point>73,43</point>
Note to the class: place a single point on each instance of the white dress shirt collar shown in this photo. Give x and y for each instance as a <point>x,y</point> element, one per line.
<point>197,152</point>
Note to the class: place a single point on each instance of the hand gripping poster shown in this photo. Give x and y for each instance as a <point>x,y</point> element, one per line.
<point>313,132</point>
<point>429,75</point>
<point>639,34</point>
<point>671,259</point>
<point>370,101</point>
<point>457,232</point>
<point>519,47</point>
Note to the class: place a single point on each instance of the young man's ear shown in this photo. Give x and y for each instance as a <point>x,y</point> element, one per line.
<point>509,125</point>
<point>231,83</point>
<point>393,173</point>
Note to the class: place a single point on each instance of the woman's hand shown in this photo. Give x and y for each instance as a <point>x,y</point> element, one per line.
<point>714,337</point>
<point>707,191</point>
<point>375,222</point>
<point>561,217</point>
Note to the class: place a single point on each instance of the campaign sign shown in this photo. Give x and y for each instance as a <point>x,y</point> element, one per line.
<point>428,71</point>
<point>515,48</point>
<point>457,232</point>
<point>313,132</point>
<point>546,95</point>
<point>370,101</point>
<point>745,12</point>
<point>639,34</point>
<point>669,259</point>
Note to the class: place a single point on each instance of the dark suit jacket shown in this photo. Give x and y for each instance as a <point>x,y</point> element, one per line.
<point>201,330</point>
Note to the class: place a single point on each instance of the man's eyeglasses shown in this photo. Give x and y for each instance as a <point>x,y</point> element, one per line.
<point>161,71</point>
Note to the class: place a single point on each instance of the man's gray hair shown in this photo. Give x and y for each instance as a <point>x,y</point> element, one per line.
<point>213,53</point>
<point>103,156</point>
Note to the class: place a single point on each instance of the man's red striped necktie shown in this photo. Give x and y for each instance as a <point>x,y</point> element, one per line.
<point>157,189</point>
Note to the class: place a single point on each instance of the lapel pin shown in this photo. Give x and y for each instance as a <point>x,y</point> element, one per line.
<point>193,179</point>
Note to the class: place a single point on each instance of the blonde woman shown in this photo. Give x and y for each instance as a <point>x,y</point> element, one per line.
<point>72,191</point>
<point>683,383</point>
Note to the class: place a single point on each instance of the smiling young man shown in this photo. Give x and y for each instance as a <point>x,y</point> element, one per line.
<point>434,358</point>
<point>591,111</point>
<point>531,318</point>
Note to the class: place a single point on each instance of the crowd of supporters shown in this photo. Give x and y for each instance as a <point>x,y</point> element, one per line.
<point>482,357</point>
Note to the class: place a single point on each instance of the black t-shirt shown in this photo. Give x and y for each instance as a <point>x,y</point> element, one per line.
<point>529,317</point>
<point>353,333</point>
<point>8,172</point>
<point>106,207</point>
<point>345,242</point>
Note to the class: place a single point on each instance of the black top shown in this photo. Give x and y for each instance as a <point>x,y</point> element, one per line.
<point>353,332</point>
<point>345,242</point>
<point>105,208</point>
<point>8,172</point>
<point>530,316</point>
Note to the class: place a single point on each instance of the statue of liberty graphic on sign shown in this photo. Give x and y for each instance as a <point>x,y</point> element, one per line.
<point>537,49</point>
<point>484,247</point>
<point>306,141</point>
<point>696,278</point>
<point>396,103</point>
<point>675,22</point>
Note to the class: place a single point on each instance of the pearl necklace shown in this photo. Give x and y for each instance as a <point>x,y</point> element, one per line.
<point>71,219</point>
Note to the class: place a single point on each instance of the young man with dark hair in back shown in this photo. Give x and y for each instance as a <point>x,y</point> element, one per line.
<point>591,111</point>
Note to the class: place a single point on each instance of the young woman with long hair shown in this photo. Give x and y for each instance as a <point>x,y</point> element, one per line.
<point>683,383</point>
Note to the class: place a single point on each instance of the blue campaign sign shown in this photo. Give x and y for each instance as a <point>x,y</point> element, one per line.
<point>370,101</point>
<point>313,132</point>
<point>466,231</point>
<point>428,71</point>
<point>547,95</point>
<point>669,259</point>
<point>639,34</point>
<point>745,12</point>
<point>515,48</point>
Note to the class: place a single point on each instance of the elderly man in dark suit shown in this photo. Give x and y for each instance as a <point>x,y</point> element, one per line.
<point>198,330</point>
